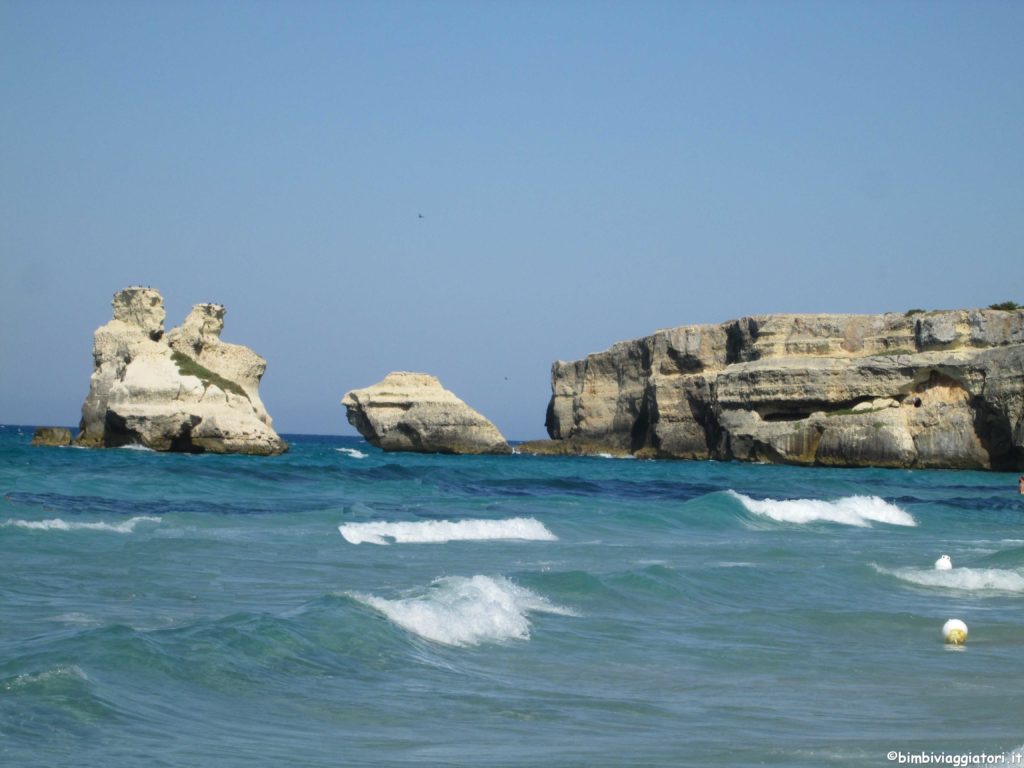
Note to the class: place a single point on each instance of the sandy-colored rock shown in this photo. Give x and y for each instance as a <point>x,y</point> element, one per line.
<point>59,436</point>
<point>413,412</point>
<point>936,389</point>
<point>181,391</point>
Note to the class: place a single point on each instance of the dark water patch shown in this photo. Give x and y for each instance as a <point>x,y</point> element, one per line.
<point>494,477</point>
<point>1010,484</point>
<point>596,488</point>
<point>49,503</point>
<point>978,502</point>
<point>83,505</point>
<point>389,472</point>
<point>374,510</point>
<point>908,500</point>
<point>1013,507</point>
<point>531,486</point>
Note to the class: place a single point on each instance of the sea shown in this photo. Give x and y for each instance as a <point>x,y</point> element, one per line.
<point>341,606</point>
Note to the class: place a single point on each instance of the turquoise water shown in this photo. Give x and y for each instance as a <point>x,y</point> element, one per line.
<point>174,610</point>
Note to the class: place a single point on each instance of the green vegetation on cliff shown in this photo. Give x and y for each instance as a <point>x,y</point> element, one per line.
<point>190,367</point>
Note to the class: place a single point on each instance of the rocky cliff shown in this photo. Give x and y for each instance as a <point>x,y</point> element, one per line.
<point>934,389</point>
<point>185,390</point>
<point>413,412</point>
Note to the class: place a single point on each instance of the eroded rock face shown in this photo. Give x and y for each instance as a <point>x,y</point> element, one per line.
<point>937,389</point>
<point>413,412</point>
<point>181,391</point>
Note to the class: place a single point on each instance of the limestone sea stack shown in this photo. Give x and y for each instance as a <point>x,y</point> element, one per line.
<point>413,412</point>
<point>185,390</point>
<point>924,389</point>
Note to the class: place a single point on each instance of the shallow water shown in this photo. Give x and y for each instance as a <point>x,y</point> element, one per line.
<point>341,606</point>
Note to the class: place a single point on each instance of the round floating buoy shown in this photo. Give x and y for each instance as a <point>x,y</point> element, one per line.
<point>944,563</point>
<point>954,632</point>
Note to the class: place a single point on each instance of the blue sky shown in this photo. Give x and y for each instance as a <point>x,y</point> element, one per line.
<point>586,172</point>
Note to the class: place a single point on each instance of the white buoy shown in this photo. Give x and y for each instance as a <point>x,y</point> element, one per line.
<point>954,632</point>
<point>944,563</point>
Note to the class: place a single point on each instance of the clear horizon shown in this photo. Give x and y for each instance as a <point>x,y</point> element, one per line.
<point>478,190</point>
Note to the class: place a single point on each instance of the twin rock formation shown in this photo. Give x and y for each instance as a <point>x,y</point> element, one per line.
<point>936,389</point>
<point>184,390</point>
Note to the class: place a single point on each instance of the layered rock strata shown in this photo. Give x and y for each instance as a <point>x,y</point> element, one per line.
<point>185,390</point>
<point>935,389</point>
<point>413,412</point>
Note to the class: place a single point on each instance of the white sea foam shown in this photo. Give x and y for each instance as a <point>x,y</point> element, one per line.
<point>57,524</point>
<point>463,611</point>
<point>352,452</point>
<point>860,511</point>
<point>440,531</point>
<point>66,671</point>
<point>136,447</point>
<point>965,579</point>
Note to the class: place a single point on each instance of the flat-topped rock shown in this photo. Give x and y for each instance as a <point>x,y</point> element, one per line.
<point>59,436</point>
<point>928,389</point>
<point>413,412</point>
<point>185,390</point>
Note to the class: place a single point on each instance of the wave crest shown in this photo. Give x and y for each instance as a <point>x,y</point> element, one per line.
<point>354,453</point>
<point>965,579</point>
<point>61,673</point>
<point>461,611</point>
<point>56,524</point>
<point>860,511</point>
<point>440,531</point>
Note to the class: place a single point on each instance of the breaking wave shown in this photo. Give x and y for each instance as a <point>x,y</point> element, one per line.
<point>56,524</point>
<point>440,531</point>
<point>965,579</point>
<point>859,511</point>
<point>352,452</point>
<point>461,611</point>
